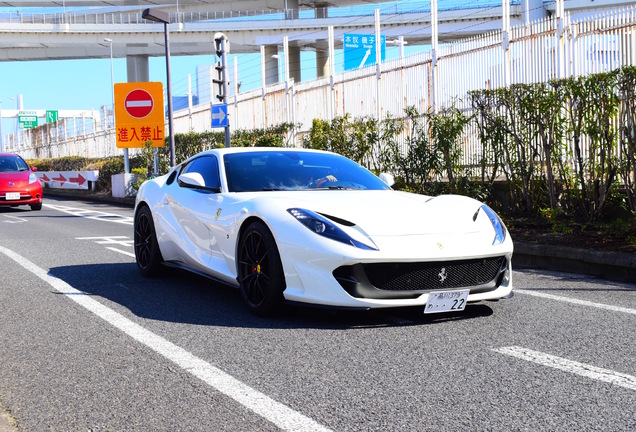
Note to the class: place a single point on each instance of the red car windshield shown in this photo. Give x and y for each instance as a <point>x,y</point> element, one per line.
<point>12,163</point>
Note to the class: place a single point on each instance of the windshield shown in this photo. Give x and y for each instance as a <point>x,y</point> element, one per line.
<point>295,170</point>
<point>12,163</point>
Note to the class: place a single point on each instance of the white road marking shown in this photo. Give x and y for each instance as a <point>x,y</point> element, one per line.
<point>582,369</point>
<point>114,240</point>
<point>577,301</point>
<point>130,254</point>
<point>16,219</point>
<point>92,214</point>
<point>261,404</point>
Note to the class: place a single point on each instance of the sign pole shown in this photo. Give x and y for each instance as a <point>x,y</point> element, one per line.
<point>169,82</point>
<point>225,88</point>
<point>158,15</point>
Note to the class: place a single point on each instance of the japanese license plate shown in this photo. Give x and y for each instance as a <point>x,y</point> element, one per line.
<point>12,196</point>
<point>446,301</point>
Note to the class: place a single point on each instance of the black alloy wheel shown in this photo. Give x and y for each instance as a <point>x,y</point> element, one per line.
<point>260,271</point>
<point>147,253</point>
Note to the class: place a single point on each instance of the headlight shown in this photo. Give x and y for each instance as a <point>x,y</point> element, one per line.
<point>326,228</point>
<point>33,178</point>
<point>497,224</point>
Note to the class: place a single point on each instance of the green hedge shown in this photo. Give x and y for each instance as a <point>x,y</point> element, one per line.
<point>566,148</point>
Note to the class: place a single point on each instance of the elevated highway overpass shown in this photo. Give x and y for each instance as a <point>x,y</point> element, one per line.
<point>77,28</point>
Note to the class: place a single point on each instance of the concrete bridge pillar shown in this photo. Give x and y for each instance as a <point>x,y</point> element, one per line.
<point>137,68</point>
<point>322,63</point>
<point>294,63</point>
<point>532,10</point>
<point>271,64</point>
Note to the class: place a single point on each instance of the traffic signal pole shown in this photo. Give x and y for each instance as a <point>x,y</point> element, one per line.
<point>222,48</point>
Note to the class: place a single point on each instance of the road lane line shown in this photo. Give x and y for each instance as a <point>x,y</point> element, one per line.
<point>582,369</point>
<point>577,302</point>
<point>130,254</point>
<point>92,214</point>
<point>16,219</point>
<point>261,404</point>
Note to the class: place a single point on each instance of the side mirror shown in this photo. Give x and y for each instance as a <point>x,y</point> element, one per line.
<point>387,179</point>
<point>192,180</point>
<point>34,169</point>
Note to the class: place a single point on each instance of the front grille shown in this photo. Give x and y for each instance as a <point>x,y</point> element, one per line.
<point>433,275</point>
<point>410,280</point>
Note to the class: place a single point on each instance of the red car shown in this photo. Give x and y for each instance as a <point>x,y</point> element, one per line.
<point>18,183</point>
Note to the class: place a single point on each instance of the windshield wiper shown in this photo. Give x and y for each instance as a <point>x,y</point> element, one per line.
<point>336,188</point>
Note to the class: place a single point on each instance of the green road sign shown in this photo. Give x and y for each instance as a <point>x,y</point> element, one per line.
<point>51,116</point>
<point>27,119</point>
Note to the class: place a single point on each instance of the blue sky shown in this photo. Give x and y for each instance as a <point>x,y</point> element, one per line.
<point>86,84</point>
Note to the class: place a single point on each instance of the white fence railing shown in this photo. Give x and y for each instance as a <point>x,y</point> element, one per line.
<point>538,52</point>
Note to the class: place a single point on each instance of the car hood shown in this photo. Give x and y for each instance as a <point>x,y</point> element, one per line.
<point>383,213</point>
<point>19,179</point>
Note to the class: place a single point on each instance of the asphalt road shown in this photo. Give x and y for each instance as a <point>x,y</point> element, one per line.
<point>87,344</point>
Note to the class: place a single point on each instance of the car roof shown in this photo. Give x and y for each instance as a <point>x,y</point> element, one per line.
<point>237,150</point>
<point>230,150</point>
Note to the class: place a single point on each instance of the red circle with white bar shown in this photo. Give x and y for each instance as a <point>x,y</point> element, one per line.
<point>139,103</point>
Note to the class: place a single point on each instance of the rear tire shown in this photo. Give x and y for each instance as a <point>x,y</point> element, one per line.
<point>260,271</point>
<point>147,253</point>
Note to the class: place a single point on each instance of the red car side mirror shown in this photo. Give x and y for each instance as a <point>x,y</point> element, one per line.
<point>34,169</point>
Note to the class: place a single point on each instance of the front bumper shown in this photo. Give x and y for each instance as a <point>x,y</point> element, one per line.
<point>27,197</point>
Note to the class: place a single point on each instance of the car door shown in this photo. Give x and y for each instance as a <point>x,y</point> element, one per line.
<point>193,207</point>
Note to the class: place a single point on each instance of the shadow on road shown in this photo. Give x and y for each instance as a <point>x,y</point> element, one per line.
<point>183,297</point>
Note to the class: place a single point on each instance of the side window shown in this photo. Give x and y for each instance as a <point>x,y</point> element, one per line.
<point>208,167</point>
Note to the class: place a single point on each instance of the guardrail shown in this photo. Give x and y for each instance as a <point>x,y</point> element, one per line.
<point>129,15</point>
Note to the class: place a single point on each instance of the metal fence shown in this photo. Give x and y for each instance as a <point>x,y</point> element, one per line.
<point>544,50</point>
<point>551,48</point>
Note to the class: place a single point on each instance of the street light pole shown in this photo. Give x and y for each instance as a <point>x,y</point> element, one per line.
<point>164,17</point>
<point>112,76</point>
<point>15,124</point>
<point>112,88</point>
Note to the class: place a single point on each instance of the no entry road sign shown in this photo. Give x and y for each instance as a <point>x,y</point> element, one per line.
<point>139,103</point>
<point>139,115</point>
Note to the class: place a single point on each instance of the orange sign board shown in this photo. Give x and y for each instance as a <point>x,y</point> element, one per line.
<point>139,114</point>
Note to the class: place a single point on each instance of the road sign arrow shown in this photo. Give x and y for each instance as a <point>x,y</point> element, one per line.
<point>80,180</point>
<point>219,116</point>
<point>45,178</point>
<point>61,179</point>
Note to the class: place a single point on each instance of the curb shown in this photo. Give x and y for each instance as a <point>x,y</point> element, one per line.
<point>615,266</point>
<point>124,202</point>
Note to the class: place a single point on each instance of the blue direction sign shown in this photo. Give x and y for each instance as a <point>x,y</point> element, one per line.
<point>219,116</point>
<point>359,50</point>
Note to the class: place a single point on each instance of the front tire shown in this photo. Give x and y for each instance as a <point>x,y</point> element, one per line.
<point>260,271</point>
<point>36,207</point>
<point>147,253</point>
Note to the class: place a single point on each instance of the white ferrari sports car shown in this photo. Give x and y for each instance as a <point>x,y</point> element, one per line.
<point>296,225</point>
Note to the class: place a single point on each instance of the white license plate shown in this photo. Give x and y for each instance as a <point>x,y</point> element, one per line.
<point>446,301</point>
<point>9,196</point>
